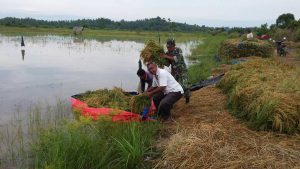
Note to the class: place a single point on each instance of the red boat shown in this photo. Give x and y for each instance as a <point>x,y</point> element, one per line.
<point>109,114</point>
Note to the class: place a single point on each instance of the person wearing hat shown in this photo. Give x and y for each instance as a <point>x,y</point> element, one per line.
<point>178,66</point>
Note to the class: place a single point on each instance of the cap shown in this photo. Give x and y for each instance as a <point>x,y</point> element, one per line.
<point>170,42</point>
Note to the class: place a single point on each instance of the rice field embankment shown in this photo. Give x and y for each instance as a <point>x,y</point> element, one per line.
<point>252,123</point>
<point>204,134</point>
<point>265,92</point>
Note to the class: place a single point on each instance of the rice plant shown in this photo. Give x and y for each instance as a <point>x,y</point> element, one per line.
<point>266,93</point>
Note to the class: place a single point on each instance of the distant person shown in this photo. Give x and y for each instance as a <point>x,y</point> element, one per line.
<point>165,90</point>
<point>145,77</point>
<point>178,66</point>
<point>250,34</point>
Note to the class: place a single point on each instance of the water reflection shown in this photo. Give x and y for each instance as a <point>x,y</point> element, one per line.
<point>23,54</point>
<point>61,66</point>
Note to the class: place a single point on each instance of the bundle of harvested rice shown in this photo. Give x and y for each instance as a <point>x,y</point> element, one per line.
<point>266,93</point>
<point>151,53</point>
<point>236,48</point>
<point>114,98</point>
<point>139,102</point>
<point>214,139</point>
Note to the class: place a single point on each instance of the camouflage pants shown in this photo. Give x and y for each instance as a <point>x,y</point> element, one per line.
<point>182,79</point>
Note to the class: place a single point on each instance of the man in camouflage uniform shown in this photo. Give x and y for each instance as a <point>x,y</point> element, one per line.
<point>178,67</point>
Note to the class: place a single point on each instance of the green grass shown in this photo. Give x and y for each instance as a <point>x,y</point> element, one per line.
<point>48,138</point>
<point>94,145</point>
<point>101,34</point>
<point>204,55</point>
<point>21,131</point>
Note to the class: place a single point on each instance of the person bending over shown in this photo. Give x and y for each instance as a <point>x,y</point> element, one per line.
<point>145,77</point>
<point>165,90</point>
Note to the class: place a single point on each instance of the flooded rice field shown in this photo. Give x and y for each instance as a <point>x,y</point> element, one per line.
<point>49,68</point>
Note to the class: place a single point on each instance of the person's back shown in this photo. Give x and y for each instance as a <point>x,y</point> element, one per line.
<point>145,77</point>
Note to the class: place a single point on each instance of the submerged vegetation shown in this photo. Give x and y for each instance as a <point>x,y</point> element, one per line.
<point>101,34</point>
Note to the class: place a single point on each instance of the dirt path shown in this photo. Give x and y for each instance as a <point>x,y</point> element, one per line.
<point>204,135</point>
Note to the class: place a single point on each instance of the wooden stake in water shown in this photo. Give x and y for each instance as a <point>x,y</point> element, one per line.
<point>22,42</point>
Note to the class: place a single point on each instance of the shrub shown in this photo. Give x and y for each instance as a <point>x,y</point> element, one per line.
<point>297,36</point>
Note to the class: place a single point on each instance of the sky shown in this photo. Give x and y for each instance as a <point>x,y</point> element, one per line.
<point>216,13</point>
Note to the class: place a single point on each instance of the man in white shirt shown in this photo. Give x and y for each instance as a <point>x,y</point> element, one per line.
<point>165,90</point>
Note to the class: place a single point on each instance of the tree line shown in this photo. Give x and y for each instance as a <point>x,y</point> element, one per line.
<point>152,24</point>
<point>286,25</point>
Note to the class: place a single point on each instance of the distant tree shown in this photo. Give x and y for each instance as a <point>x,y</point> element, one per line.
<point>262,30</point>
<point>152,24</point>
<point>285,20</point>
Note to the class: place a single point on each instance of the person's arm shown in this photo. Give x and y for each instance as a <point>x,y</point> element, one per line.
<point>167,57</point>
<point>149,84</point>
<point>151,89</point>
<point>163,81</point>
<point>142,85</point>
<point>155,90</point>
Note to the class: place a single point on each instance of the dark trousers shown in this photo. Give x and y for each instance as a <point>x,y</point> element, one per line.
<point>164,103</point>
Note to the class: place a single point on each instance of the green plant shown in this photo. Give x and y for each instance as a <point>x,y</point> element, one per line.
<point>297,35</point>
<point>94,145</point>
<point>204,54</point>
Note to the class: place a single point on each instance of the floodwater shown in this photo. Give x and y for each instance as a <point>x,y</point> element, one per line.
<point>52,67</point>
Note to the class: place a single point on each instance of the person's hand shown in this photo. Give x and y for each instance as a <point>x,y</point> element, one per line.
<point>162,55</point>
<point>148,94</point>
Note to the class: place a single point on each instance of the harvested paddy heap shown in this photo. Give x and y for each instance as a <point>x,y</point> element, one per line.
<point>266,93</point>
<point>204,134</point>
<point>151,53</point>
<point>139,102</point>
<point>236,48</point>
<point>115,98</point>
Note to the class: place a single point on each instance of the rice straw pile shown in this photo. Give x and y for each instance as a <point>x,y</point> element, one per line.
<point>114,98</point>
<point>139,102</point>
<point>236,48</point>
<point>151,53</point>
<point>266,93</point>
<point>204,135</point>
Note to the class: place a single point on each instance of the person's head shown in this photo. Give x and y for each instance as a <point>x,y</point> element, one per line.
<point>249,31</point>
<point>141,73</point>
<point>152,68</point>
<point>171,45</point>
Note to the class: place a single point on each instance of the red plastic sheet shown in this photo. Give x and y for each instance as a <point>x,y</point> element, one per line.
<point>107,113</point>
